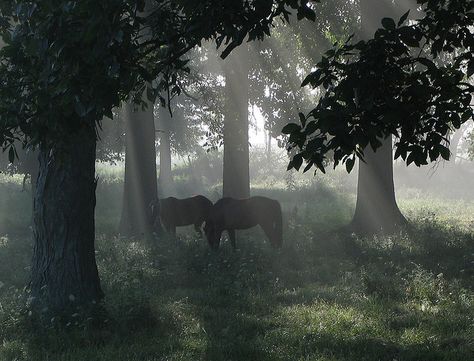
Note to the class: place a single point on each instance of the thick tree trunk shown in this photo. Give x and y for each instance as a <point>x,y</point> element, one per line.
<point>165,178</point>
<point>376,208</point>
<point>140,185</point>
<point>64,270</point>
<point>236,178</point>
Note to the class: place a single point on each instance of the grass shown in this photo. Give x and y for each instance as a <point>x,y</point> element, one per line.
<point>325,296</point>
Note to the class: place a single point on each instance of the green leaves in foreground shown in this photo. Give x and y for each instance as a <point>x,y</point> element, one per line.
<point>410,81</point>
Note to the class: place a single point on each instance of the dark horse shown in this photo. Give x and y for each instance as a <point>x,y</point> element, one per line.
<point>231,214</point>
<point>183,212</point>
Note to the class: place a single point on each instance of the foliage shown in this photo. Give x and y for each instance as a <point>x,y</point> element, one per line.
<point>66,64</point>
<point>281,60</point>
<point>392,84</point>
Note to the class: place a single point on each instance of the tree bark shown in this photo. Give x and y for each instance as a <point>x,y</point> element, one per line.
<point>268,143</point>
<point>140,185</point>
<point>376,207</point>
<point>454,143</point>
<point>64,270</point>
<point>236,177</point>
<point>165,178</point>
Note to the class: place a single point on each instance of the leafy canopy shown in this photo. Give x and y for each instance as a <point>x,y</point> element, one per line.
<point>66,64</point>
<point>398,83</point>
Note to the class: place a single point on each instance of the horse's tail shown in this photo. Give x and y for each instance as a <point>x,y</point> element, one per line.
<point>278,225</point>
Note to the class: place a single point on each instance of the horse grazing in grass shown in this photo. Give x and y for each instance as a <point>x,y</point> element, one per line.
<point>183,212</point>
<point>230,214</point>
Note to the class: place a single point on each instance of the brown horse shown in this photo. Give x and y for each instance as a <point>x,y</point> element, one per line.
<point>231,214</point>
<point>183,212</point>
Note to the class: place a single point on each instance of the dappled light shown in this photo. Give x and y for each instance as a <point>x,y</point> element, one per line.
<point>236,180</point>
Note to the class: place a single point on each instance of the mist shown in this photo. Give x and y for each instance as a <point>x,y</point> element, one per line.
<point>255,180</point>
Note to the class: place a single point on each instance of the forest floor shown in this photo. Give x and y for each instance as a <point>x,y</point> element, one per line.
<point>326,295</point>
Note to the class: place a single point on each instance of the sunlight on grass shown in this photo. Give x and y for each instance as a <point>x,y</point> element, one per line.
<point>326,295</point>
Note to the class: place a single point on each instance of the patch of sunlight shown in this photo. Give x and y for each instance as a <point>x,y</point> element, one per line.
<point>329,318</point>
<point>4,241</point>
<point>185,320</point>
<point>414,336</point>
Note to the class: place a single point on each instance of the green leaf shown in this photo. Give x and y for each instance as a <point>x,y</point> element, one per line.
<point>320,166</point>
<point>404,18</point>
<point>388,23</point>
<point>11,154</point>
<point>302,119</point>
<point>308,167</point>
<point>291,128</point>
<point>445,153</point>
<point>297,161</point>
<point>350,164</point>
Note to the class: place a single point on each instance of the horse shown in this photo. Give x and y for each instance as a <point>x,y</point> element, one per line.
<point>176,212</point>
<point>230,214</point>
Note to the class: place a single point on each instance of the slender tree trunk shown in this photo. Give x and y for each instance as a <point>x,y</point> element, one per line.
<point>236,178</point>
<point>269,144</point>
<point>140,185</point>
<point>376,207</point>
<point>64,270</point>
<point>166,178</point>
<point>454,143</point>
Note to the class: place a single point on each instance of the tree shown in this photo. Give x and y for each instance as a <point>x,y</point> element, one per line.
<point>236,178</point>
<point>164,134</point>
<point>53,94</point>
<point>65,192</point>
<point>392,84</point>
<point>376,206</point>
<point>140,186</point>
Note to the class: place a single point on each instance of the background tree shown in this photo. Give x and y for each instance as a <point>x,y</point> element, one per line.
<point>236,177</point>
<point>140,185</point>
<point>376,206</point>
<point>392,84</point>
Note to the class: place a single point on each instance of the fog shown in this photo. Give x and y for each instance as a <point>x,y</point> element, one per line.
<point>305,196</point>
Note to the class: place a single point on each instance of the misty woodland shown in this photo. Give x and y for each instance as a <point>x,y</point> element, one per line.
<point>236,180</point>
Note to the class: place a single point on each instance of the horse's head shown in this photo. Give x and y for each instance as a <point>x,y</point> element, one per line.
<point>211,234</point>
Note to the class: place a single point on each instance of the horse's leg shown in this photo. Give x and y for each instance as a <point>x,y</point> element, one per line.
<point>269,231</point>
<point>197,227</point>
<point>171,229</point>
<point>231,233</point>
<point>217,239</point>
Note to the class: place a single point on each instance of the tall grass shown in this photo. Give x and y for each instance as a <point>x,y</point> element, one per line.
<point>327,295</point>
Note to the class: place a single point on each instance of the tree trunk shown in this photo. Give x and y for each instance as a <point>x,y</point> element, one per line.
<point>140,185</point>
<point>376,207</point>
<point>64,270</point>
<point>236,178</point>
<point>269,144</point>
<point>166,178</point>
<point>454,143</point>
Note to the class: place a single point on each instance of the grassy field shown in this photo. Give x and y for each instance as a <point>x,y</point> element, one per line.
<point>327,295</point>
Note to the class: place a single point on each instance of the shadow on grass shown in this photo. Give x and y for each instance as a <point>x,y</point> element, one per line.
<point>315,298</point>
